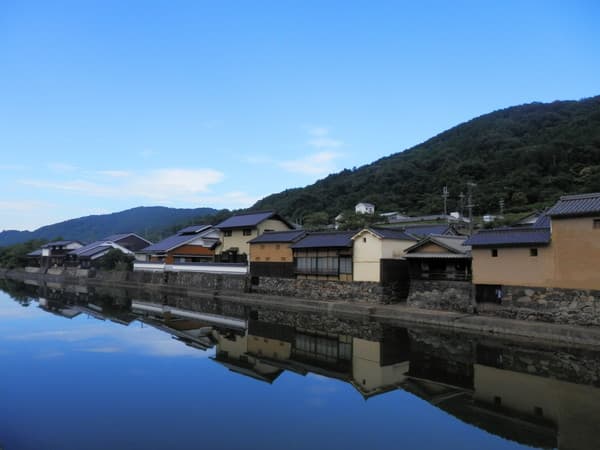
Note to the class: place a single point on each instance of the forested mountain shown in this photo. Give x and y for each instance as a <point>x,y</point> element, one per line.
<point>149,222</point>
<point>527,155</point>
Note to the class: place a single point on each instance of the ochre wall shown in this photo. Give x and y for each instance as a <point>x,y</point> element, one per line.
<point>513,266</point>
<point>271,252</point>
<point>431,248</point>
<point>576,246</point>
<point>571,261</point>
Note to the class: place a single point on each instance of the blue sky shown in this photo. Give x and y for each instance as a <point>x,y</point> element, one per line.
<point>107,105</point>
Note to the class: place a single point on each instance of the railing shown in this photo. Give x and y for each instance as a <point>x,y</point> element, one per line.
<point>456,276</point>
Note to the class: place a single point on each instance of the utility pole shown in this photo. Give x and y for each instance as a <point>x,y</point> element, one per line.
<point>501,207</point>
<point>470,205</point>
<point>462,205</point>
<point>445,194</point>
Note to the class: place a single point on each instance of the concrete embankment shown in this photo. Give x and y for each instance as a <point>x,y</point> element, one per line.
<point>235,290</point>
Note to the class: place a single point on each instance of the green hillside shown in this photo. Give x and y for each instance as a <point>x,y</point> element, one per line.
<point>150,222</point>
<point>527,155</point>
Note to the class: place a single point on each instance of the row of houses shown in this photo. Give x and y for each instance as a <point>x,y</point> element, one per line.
<point>559,249</point>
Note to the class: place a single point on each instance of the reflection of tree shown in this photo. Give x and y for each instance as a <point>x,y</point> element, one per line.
<point>20,292</point>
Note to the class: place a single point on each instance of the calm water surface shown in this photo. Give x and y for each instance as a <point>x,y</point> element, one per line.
<point>93,369</point>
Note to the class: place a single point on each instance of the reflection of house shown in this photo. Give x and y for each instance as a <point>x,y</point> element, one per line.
<point>191,244</point>
<point>271,255</point>
<point>440,257</point>
<point>560,254</point>
<point>238,230</point>
<point>325,255</point>
<point>53,253</point>
<point>373,247</point>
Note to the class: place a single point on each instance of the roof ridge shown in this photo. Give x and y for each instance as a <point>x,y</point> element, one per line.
<point>580,196</point>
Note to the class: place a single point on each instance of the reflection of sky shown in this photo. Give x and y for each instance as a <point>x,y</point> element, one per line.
<point>89,384</point>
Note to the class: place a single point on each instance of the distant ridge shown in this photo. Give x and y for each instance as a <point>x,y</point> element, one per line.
<point>144,220</point>
<point>526,155</point>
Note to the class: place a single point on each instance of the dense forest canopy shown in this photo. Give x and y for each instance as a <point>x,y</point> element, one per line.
<point>526,155</point>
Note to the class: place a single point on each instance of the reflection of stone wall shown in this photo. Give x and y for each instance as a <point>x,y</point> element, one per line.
<point>440,294</point>
<point>568,306</point>
<point>363,291</point>
<point>320,322</point>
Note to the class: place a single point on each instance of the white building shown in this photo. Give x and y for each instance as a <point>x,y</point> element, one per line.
<point>364,208</point>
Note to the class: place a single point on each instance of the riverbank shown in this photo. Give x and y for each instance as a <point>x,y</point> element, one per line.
<point>393,313</point>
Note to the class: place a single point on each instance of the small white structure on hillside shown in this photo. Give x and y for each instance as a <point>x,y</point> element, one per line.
<point>364,208</point>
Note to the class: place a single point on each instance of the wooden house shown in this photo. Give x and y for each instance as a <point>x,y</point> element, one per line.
<point>238,230</point>
<point>440,257</point>
<point>326,255</point>
<point>190,245</point>
<point>271,254</point>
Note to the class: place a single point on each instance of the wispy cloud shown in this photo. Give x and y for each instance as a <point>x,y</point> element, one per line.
<point>320,139</point>
<point>320,163</point>
<point>162,184</point>
<point>114,173</point>
<point>62,167</point>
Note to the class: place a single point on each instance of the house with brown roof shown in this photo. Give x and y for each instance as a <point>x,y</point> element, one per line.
<point>192,244</point>
<point>238,230</point>
<point>440,257</point>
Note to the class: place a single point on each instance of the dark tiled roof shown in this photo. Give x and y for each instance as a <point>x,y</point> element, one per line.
<point>509,237</point>
<point>171,242</point>
<point>278,236</point>
<point>88,253</point>
<point>576,205</point>
<point>37,252</point>
<point>425,230</point>
<point>454,244</point>
<point>326,240</point>
<point>117,237</point>
<point>390,233</point>
<point>86,248</point>
<point>193,229</point>
<point>250,220</point>
<point>59,243</point>
<point>543,221</point>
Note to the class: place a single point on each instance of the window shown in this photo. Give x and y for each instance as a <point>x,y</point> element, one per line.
<point>247,231</point>
<point>227,233</point>
<point>597,224</point>
<point>346,264</point>
<point>494,253</point>
<point>277,246</point>
<point>533,252</point>
<point>365,240</point>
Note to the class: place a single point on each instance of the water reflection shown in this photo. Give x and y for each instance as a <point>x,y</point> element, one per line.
<point>532,393</point>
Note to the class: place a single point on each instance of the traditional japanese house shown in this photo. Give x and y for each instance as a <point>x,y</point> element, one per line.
<point>52,254</point>
<point>271,255</point>
<point>239,229</point>
<point>326,255</point>
<point>190,245</point>
<point>84,257</point>
<point>130,241</point>
<point>440,257</point>
<point>378,254</point>
<point>560,250</point>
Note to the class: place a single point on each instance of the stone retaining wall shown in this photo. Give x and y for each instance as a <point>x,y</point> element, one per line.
<point>359,291</point>
<point>567,306</point>
<point>442,295</point>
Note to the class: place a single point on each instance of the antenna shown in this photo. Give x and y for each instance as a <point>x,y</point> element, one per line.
<point>470,205</point>
<point>445,194</point>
